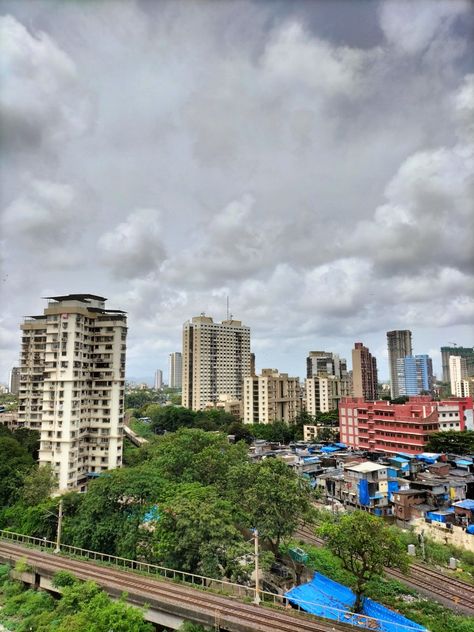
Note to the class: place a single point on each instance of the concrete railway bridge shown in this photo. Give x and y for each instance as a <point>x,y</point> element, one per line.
<point>168,596</point>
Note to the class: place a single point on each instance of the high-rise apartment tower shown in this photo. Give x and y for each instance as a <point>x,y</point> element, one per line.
<point>464,352</point>
<point>158,385</point>
<point>399,346</point>
<point>415,375</point>
<point>175,370</point>
<point>458,373</point>
<point>216,360</point>
<point>364,373</point>
<point>72,377</point>
<point>327,363</point>
<point>14,386</point>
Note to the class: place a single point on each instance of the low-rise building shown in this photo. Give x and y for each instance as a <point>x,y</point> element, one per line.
<point>228,404</point>
<point>384,427</point>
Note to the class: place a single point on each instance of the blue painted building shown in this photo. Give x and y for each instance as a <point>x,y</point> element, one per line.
<point>415,375</point>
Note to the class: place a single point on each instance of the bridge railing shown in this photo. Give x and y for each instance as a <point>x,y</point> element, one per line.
<point>198,581</point>
<point>206,583</point>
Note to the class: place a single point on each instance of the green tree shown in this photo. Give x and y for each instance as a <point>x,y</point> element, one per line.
<point>192,455</point>
<point>170,418</point>
<point>328,434</point>
<point>365,545</point>
<point>272,498</point>
<point>14,463</point>
<point>192,627</point>
<point>196,531</point>
<point>330,418</point>
<point>278,431</point>
<point>110,516</point>
<point>29,439</point>
<point>240,431</point>
<point>139,398</point>
<point>452,441</point>
<point>38,484</point>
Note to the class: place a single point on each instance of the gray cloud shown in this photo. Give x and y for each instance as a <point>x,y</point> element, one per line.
<point>39,100</point>
<point>134,247</point>
<point>321,179</point>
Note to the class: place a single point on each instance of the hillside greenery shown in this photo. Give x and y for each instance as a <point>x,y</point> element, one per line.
<point>81,607</point>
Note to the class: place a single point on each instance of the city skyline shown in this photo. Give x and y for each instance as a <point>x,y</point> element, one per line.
<point>345,357</point>
<point>310,161</point>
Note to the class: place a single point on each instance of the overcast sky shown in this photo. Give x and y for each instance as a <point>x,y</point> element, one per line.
<point>312,160</point>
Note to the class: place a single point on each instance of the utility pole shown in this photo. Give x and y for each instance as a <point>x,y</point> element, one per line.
<point>257,572</point>
<point>60,524</point>
<point>422,544</point>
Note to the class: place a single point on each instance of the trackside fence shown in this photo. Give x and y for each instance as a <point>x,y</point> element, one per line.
<point>199,581</point>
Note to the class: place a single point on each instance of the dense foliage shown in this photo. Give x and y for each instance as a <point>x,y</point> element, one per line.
<point>15,463</point>
<point>187,502</point>
<point>82,607</point>
<point>172,418</point>
<point>452,442</point>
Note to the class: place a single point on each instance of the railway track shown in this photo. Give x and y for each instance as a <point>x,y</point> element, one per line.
<point>170,597</point>
<point>448,590</point>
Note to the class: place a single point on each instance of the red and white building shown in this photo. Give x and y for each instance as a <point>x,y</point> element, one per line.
<point>384,427</point>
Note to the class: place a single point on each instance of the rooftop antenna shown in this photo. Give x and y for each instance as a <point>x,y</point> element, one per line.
<point>227,310</point>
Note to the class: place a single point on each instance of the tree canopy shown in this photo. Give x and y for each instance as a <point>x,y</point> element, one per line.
<point>452,441</point>
<point>15,462</point>
<point>365,545</point>
<point>271,496</point>
<point>196,531</point>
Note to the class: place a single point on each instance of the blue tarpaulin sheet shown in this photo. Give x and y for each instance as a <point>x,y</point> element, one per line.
<point>465,504</point>
<point>329,448</point>
<point>363,487</point>
<point>470,529</point>
<point>392,487</point>
<point>326,598</point>
<point>428,457</point>
<point>152,514</point>
<point>439,516</point>
<point>464,462</point>
<point>311,459</point>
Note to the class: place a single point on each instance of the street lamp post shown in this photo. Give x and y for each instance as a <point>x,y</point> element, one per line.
<point>60,524</point>
<point>257,572</point>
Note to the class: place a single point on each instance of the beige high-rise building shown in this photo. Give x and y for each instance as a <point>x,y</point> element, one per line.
<point>399,346</point>
<point>458,375</point>
<point>364,373</point>
<point>216,360</point>
<point>323,393</point>
<point>72,377</point>
<point>271,396</point>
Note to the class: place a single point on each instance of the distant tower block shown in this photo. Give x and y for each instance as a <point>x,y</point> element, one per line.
<point>175,370</point>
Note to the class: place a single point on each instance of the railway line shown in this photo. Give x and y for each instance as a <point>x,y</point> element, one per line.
<point>450,591</point>
<point>230,613</point>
